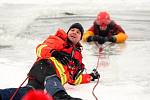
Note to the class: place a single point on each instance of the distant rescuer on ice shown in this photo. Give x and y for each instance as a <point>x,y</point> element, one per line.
<point>104,30</point>
<point>59,61</point>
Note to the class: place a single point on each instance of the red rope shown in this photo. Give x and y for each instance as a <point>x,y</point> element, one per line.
<point>94,89</point>
<point>100,50</point>
<point>18,89</point>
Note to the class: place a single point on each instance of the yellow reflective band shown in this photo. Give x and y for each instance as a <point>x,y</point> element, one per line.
<point>38,53</point>
<point>78,80</point>
<point>61,70</point>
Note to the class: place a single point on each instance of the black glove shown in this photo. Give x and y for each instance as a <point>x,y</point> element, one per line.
<point>93,38</point>
<point>90,39</point>
<point>102,40</point>
<point>112,39</point>
<point>61,56</point>
<point>95,74</point>
<point>99,39</point>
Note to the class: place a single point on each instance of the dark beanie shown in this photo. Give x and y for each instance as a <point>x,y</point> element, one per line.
<point>78,26</point>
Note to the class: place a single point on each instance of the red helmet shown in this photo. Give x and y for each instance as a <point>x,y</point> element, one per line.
<point>103,19</point>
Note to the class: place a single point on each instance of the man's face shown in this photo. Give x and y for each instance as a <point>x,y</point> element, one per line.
<point>103,23</point>
<point>74,35</point>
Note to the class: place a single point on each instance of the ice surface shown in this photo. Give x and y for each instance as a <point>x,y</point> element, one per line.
<point>125,71</point>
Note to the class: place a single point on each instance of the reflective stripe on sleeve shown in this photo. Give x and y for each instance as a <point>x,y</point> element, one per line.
<point>78,80</point>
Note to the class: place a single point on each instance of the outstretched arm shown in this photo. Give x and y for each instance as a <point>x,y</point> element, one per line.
<point>86,78</point>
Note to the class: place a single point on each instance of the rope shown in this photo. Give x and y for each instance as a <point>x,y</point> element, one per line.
<point>18,89</point>
<point>94,89</point>
<point>108,45</point>
<point>100,50</point>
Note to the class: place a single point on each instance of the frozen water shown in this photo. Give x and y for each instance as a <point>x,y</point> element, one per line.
<point>124,68</point>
